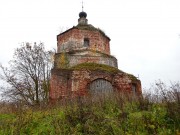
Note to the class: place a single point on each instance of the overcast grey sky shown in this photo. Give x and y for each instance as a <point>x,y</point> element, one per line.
<point>145,34</point>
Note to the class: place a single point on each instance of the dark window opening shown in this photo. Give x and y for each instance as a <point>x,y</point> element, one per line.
<point>134,88</point>
<point>86,42</point>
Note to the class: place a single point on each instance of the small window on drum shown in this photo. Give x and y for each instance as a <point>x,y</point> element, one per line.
<point>134,88</point>
<point>86,42</point>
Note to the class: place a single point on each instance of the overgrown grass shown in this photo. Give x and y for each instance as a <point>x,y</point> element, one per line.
<point>113,114</point>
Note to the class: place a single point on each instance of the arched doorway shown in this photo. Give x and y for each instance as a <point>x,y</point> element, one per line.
<point>100,86</point>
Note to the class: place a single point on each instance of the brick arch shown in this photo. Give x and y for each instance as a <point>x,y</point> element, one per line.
<point>105,77</point>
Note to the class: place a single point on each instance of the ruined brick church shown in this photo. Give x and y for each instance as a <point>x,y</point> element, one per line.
<point>83,64</point>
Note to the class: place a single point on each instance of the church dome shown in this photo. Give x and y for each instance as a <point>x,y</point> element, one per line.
<point>82,14</point>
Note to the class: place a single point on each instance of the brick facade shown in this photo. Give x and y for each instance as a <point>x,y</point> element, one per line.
<point>73,39</point>
<point>68,83</point>
<point>84,44</point>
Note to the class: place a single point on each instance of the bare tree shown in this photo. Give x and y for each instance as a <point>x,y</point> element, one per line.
<point>28,74</point>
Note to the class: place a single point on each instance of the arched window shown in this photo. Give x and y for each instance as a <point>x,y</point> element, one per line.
<point>134,88</point>
<point>86,42</point>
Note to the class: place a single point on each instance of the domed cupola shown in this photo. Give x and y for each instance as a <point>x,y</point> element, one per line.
<point>82,17</point>
<point>82,14</point>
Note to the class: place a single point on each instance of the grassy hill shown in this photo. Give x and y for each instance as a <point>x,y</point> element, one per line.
<point>115,114</point>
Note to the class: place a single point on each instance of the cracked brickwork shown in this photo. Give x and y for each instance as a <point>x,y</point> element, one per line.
<point>75,82</point>
<point>74,39</point>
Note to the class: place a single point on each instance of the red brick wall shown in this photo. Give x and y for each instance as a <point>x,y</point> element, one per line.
<point>66,83</point>
<point>60,84</point>
<point>74,38</point>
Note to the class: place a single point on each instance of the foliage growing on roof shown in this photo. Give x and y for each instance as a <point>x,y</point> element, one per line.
<point>95,66</point>
<point>132,77</point>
